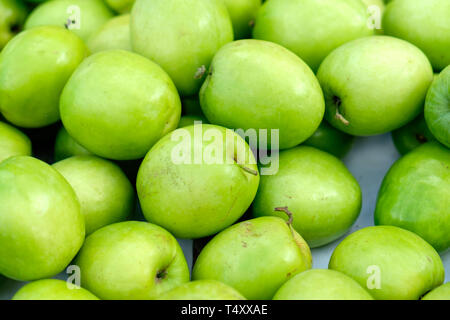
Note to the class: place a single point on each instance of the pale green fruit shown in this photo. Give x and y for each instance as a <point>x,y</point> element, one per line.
<point>105,194</point>
<point>270,89</point>
<point>191,197</point>
<point>424,23</point>
<point>242,14</point>
<point>118,104</point>
<point>437,107</point>
<point>41,226</point>
<point>321,285</point>
<point>131,260</point>
<point>66,146</point>
<point>187,121</point>
<point>34,67</point>
<point>440,293</point>
<point>374,85</point>
<point>202,290</point>
<point>317,188</point>
<point>52,289</point>
<point>256,257</point>
<point>114,34</point>
<point>181,36</point>
<point>83,17</point>
<point>120,6</point>
<point>391,263</point>
<point>13,142</point>
<point>12,17</point>
<point>311,28</point>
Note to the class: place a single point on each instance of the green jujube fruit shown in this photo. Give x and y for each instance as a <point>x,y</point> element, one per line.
<point>415,195</point>
<point>242,14</point>
<point>52,289</point>
<point>66,146</point>
<point>440,293</point>
<point>114,34</point>
<point>202,290</point>
<point>13,142</point>
<point>12,17</point>
<point>34,68</point>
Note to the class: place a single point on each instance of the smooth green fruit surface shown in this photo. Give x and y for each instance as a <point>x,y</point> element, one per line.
<point>131,260</point>
<point>424,23</point>
<point>321,285</point>
<point>415,195</point>
<point>120,6</point>
<point>202,290</point>
<point>374,85</point>
<point>118,104</point>
<point>323,196</point>
<point>31,83</point>
<point>114,34</point>
<point>390,262</point>
<point>181,36</point>
<point>437,107</point>
<point>311,28</point>
<point>214,182</point>
<point>242,14</point>
<point>331,140</point>
<point>83,17</point>
<point>12,17</point>
<point>13,142</point>
<point>41,226</point>
<point>272,89</point>
<point>413,135</point>
<point>255,257</point>
<point>440,293</point>
<point>66,146</point>
<point>52,289</point>
<point>104,192</point>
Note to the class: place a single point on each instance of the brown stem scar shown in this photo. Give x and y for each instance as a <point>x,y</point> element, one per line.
<point>288,213</point>
<point>200,72</point>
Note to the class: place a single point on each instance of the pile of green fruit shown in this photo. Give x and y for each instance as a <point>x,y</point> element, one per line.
<point>125,124</point>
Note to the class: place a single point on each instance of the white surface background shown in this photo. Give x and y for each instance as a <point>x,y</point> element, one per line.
<point>369,160</point>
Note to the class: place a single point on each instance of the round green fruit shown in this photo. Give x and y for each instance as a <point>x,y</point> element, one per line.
<point>202,290</point>
<point>118,104</point>
<point>390,262</point>
<point>272,89</point>
<point>374,85</point>
<point>52,289</point>
<point>13,142</point>
<point>41,226</point>
<point>415,195</point>
<point>105,194</point>
<point>181,36</point>
<point>321,285</point>
<point>256,257</point>
<point>31,83</point>
<point>243,14</point>
<point>12,17</point>
<point>114,34</point>
<point>66,146</point>
<point>131,261</point>
<point>440,293</point>
<point>214,181</point>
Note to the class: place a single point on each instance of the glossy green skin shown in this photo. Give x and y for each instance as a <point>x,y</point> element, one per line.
<point>66,146</point>
<point>323,196</point>
<point>331,140</point>
<point>120,6</point>
<point>274,89</point>
<point>437,107</point>
<point>243,14</point>
<point>105,194</point>
<point>186,121</point>
<point>12,17</point>
<point>408,265</point>
<point>413,135</point>
<point>320,284</point>
<point>380,81</point>
<point>118,104</point>
<point>202,290</point>
<point>30,83</point>
<point>310,28</point>
<point>440,293</point>
<point>255,257</point>
<point>122,261</point>
<point>209,196</point>
<point>424,23</point>
<point>181,36</point>
<point>13,142</point>
<point>52,289</point>
<point>415,195</point>
<point>41,226</point>
<point>114,34</point>
<point>93,15</point>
